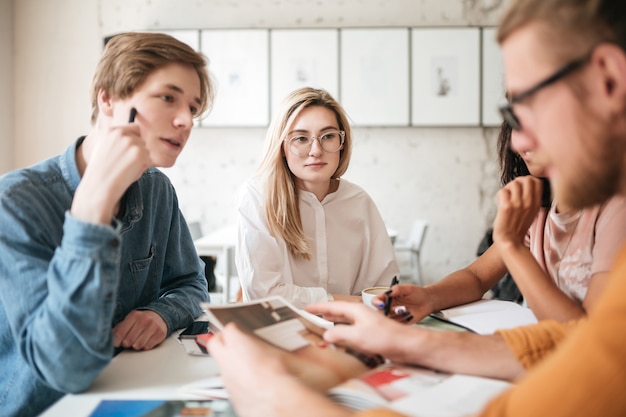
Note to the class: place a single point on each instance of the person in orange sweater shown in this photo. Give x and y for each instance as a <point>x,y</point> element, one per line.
<point>565,66</point>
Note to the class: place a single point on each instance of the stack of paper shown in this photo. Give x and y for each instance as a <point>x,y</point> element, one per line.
<point>487,316</point>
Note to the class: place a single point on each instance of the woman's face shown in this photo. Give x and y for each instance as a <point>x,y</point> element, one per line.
<point>315,169</point>
<point>536,168</point>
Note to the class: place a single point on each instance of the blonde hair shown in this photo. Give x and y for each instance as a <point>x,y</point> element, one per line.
<point>281,193</point>
<point>129,58</point>
<point>572,27</point>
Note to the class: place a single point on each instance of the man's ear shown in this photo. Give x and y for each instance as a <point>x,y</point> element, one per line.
<point>105,103</point>
<point>610,61</point>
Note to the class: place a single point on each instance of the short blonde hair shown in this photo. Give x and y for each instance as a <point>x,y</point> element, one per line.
<point>572,27</point>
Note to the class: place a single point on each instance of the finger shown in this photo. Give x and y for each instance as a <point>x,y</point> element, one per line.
<point>216,343</point>
<point>148,337</point>
<point>219,342</point>
<point>338,310</point>
<point>150,343</point>
<point>343,334</point>
<point>398,290</point>
<point>120,332</point>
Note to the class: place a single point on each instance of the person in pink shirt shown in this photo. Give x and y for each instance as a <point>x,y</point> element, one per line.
<point>558,256</point>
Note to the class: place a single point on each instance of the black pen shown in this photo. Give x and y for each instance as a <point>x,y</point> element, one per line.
<point>394,281</point>
<point>133,113</point>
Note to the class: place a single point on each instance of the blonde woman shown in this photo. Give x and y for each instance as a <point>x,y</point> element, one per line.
<point>304,233</point>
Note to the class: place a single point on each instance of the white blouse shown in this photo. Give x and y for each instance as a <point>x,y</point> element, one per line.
<point>350,247</point>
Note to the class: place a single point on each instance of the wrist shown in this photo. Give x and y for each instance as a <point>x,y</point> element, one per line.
<point>431,300</point>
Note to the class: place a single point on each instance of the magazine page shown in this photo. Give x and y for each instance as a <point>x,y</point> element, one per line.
<point>273,319</point>
<point>487,316</point>
<point>298,336</point>
<point>456,396</point>
<point>417,391</point>
<point>383,385</point>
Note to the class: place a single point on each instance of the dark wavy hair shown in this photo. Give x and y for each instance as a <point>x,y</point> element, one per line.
<point>512,165</point>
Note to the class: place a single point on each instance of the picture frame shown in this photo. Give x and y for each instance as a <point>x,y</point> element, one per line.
<point>239,65</point>
<point>493,87</point>
<point>445,76</point>
<point>303,57</point>
<point>374,76</point>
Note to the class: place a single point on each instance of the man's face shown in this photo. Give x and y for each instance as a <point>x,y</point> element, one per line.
<point>564,133</point>
<point>166,103</point>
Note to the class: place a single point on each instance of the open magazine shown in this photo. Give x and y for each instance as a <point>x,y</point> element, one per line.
<point>417,391</point>
<point>350,378</point>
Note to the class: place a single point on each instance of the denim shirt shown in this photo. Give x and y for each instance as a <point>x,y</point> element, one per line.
<point>64,283</point>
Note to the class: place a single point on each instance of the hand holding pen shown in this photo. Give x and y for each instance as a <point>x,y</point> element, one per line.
<point>116,156</point>
<point>402,311</point>
<point>387,307</point>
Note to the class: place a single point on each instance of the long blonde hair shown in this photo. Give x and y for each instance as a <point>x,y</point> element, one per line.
<point>282,209</point>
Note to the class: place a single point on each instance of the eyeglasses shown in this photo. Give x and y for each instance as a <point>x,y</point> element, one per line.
<point>330,141</point>
<point>506,109</point>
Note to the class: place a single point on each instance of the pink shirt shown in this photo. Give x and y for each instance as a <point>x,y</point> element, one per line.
<point>573,247</point>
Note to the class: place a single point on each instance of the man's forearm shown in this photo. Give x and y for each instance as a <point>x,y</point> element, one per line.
<point>457,352</point>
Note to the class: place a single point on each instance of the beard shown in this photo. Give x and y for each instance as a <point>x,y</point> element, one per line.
<point>598,174</point>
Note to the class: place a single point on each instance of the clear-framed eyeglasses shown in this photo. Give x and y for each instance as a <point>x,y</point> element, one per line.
<point>330,141</point>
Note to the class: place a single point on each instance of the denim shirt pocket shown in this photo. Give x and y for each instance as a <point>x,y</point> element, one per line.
<point>142,265</point>
<point>144,276</point>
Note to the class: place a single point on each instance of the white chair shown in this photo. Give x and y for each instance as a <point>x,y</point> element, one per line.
<point>413,245</point>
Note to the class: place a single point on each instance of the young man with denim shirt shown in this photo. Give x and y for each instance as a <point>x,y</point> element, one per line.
<point>95,254</point>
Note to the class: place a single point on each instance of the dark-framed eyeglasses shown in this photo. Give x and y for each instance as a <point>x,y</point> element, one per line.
<point>506,108</point>
<point>330,141</point>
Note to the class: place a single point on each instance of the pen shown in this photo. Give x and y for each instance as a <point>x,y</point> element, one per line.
<point>394,281</point>
<point>133,113</point>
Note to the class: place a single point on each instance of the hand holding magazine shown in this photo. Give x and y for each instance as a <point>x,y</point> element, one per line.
<point>285,327</point>
<point>350,378</point>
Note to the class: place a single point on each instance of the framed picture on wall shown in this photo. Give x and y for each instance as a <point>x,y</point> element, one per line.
<point>445,67</point>
<point>239,64</point>
<point>374,78</point>
<point>493,78</point>
<point>303,57</point>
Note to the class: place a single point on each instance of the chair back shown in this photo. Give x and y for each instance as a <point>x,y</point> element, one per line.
<point>418,233</point>
<point>195,229</point>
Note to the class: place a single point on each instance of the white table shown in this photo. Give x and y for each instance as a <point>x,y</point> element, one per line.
<point>220,243</point>
<point>154,374</point>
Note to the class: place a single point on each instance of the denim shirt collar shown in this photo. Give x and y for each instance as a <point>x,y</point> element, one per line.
<point>69,168</point>
<point>131,205</point>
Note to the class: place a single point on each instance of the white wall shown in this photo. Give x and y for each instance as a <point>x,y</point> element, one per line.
<point>7,156</point>
<point>448,176</point>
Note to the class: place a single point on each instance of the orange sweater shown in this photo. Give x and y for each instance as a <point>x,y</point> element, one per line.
<point>585,376</point>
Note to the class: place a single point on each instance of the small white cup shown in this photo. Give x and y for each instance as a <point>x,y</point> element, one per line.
<point>369,293</point>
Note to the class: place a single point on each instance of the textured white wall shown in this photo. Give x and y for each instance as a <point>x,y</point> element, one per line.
<point>7,156</point>
<point>445,175</point>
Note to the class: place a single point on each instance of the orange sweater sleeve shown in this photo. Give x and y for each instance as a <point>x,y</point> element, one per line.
<point>531,344</point>
<point>586,374</point>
